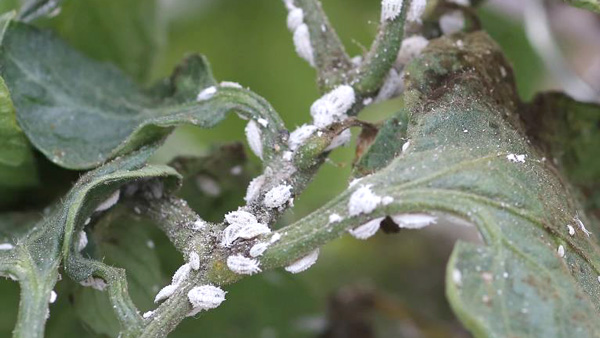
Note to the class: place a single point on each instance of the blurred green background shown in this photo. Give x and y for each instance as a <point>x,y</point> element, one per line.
<point>392,284</point>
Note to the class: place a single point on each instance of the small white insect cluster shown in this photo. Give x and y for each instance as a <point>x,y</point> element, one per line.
<point>364,201</point>
<point>516,158</point>
<point>205,297</point>
<point>390,9</point>
<point>178,277</point>
<point>301,34</point>
<point>242,224</point>
<point>278,196</point>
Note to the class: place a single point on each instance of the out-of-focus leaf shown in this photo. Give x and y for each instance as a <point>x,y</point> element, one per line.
<point>33,9</point>
<point>39,247</point>
<point>80,113</point>
<point>129,33</point>
<point>590,5</point>
<point>464,124</point>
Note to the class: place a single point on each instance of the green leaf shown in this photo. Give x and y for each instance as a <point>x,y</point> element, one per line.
<point>39,247</point>
<point>80,113</point>
<point>463,124</point>
<point>132,32</point>
<point>590,5</point>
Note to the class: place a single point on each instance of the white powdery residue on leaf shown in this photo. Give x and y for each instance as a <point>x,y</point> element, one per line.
<point>276,236</point>
<point>243,265</point>
<point>82,240</point>
<point>95,283</point>
<point>390,9</point>
<point>295,18</point>
<point>457,277</point>
<point>405,146</point>
<point>332,107</point>
<point>392,86</point>
<point>229,84</point>
<point>194,261</point>
<point>206,93</point>
<point>386,200</point>
<point>6,246</point>
<point>303,45</point>
<point>561,251</point>
<point>205,297</point>
<point>303,263</point>
<point>516,158</point>
<point>452,22</point>
<point>300,135</point>
<point>278,196</point>
<point>262,122</point>
<point>366,230</point>
<point>148,314</point>
<point>411,47</point>
<point>165,293</point>
<point>253,230</point>
<point>571,230</point>
<point>53,296</point>
<point>413,221</point>
<point>110,201</point>
<point>258,249</point>
<point>208,185</point>
<point>416,10</point>
<point>253,190</point>
<point>363,201</point>
<point>181,274</point>
<point>342,139</point>
<point>254,134</point>
<point>335,218</point>
<point>581,226</point>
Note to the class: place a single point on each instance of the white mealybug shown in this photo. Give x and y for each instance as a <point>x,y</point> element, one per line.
<point>300,135</point>
<point>278,196</point>
<point>237,170</point>
<point>335,218</point>
<point>581,226</point>
<point>206,93</point>
<point>413,221</point>
<point>561,251</point>
<point>452,22</point>
<point>288,155</point>
<point>405,146</point>
<point>148,314</point>
<point>165,293</point>
<point>457,277</point>
<point>390,9</point>
<point>95,283</point>
<point>303,45</point>
<point>416,10</point>
<point>262,122</point>
<point>303,263</point>
<point>240,217</point>
<point>6,246</point>
<point>571,230</point>
<point>332,107</point>
<point>366,230</point>
<point>229,84</point>
<point>387,200</point>
<point>253,190</point>
<point>254,134</point>
<point>276,236</point>
<point>342,139</point>
<point>392,86</point>
<point>258,249</point>
<point>205,297</point>
<point>194,260</point>
<point>243,265</point>
<point>295,18</point>
<point>181,274</point>
<point>253,230</point>
<point>110,201</point>
<point>516,158</point>
<point>208,185</point>
<point>82,240</point>
<point>198,225</point>
<point>354,182</point>
<point>87,221</point>
<point>357,60</point>
<point>53,296</point>
<point>363,201</point>
<point>411,47</point>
